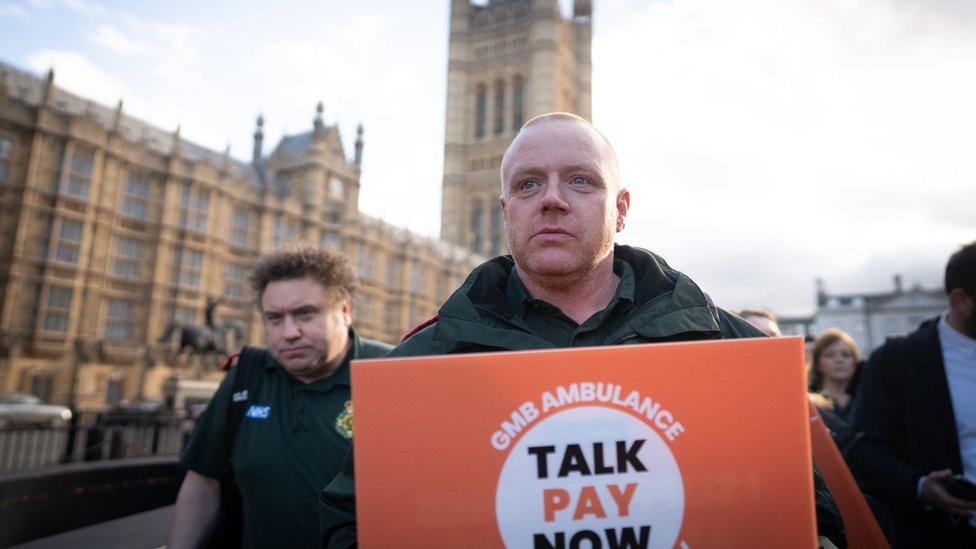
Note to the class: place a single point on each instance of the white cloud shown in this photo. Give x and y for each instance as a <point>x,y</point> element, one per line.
<point>78,6</point>
<point>169,51</point>
<point>110,37</point>
<point>82,6</point>
<point>40,4</point>
<point>754,130</point>
<point>175,40</point>
<point>360,79</point>
<point>13,11</point>
<point>362,31</point>
<point>77,74</point>
<point>163,43</point>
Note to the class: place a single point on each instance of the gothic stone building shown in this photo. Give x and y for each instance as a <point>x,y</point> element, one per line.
<point>509,60</point>
<point>113,230</point>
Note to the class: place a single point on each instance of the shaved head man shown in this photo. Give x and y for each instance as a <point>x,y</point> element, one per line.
<point>563,204</point>
<point>565,284</point>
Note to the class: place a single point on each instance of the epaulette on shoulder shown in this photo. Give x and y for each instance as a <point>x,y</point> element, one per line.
<point>230,362</point>
<point>421,326</point>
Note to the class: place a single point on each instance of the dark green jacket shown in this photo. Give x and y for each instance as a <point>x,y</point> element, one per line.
<point>669,306</point>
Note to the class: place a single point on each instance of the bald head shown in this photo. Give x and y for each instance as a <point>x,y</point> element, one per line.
<point>554,119</point>
<point>562,200</point>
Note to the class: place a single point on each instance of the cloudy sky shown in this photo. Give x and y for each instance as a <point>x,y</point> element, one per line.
<point>765,142</point>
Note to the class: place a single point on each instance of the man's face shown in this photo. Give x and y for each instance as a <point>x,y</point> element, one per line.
<point>306,327</point>
<point>963,308</point>
<point>561,200</point>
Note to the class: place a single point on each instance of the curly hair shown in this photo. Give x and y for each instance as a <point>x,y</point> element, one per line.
<point>824,340</point>
<point>326,265</point>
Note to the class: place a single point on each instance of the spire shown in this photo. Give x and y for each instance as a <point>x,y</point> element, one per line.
<point>359,145</point>
<point>4,78</point>
<point>821,292</point>
<point>176,141</point>
<point>225,159</point>
<point>258,141</point>
<point>117,120</point>
<point>319,124</point>
<point>48,87</point>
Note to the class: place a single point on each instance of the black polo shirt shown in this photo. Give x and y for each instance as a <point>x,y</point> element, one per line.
<point>289,446</point>
<point>550,323</point>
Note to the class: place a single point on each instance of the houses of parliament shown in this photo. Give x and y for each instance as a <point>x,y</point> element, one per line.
<point>115,231</point>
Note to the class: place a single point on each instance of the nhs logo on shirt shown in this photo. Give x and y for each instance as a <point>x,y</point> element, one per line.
<point>258,412</point>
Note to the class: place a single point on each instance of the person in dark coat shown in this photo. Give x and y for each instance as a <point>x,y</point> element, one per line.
<point>917,409</point>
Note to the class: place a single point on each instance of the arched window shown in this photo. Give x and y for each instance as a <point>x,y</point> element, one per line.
<point>518,102</point>
<point>481,110</point>
<point>499,106</point>
<point>476,215</point>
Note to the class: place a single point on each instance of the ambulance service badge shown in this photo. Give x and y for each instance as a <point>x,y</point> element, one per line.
<point>343,422</point>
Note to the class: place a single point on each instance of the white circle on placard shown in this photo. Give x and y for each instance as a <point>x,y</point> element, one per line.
<point>656,502</point>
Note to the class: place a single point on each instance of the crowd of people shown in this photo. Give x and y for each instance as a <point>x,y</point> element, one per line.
<point>279,428</point>
<point>905,419</point>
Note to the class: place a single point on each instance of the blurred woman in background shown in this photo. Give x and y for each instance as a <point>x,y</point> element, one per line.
<point>835,361</point>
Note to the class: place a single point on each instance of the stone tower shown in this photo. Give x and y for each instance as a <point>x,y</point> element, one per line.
<point>509,60</point>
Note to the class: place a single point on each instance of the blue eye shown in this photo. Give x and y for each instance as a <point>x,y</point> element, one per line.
<point>578,181</point>
<point>529,185</point>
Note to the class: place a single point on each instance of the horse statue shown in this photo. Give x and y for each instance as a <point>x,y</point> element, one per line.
<point>210,338</point>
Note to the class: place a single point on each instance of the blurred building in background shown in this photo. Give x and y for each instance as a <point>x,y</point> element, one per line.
<point>509,60</point>
<point>869,317</point>
<point>116,232</point>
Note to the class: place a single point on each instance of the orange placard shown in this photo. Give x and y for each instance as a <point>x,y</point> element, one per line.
<point>702,444</point>
<point>860,526</point>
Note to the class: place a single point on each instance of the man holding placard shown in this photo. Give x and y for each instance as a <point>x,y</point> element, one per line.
<point>566,284</point>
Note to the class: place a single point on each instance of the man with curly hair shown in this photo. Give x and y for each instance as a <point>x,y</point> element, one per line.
<point>281,436</point>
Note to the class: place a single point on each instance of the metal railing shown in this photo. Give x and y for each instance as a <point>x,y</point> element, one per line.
<point>27,448</point>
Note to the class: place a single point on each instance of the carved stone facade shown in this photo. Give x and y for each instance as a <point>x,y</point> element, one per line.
<point>113,229</point>
<point>509,60</point>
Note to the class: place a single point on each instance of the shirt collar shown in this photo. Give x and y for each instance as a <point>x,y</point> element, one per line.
<point>517,295</point>
<point>950,336</point>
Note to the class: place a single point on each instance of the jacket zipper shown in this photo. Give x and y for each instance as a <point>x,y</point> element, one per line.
<point>650,302</point>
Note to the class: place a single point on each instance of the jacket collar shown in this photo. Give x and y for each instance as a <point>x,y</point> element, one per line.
<point>669,305</point>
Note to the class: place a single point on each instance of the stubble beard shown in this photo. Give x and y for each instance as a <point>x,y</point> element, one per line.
<point>580,264</point>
